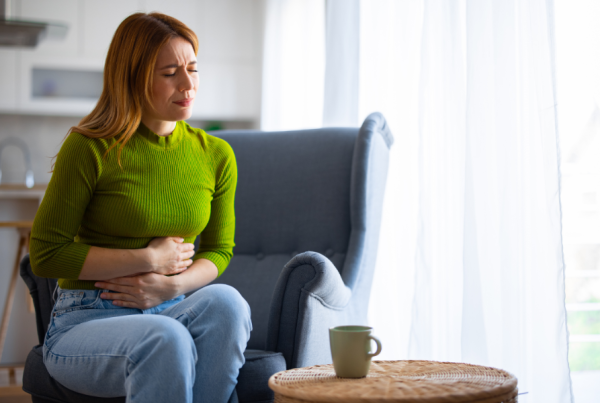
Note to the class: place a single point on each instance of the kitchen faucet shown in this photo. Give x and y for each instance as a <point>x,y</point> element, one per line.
<point>15,141</point>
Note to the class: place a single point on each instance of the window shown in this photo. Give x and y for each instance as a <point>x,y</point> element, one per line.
<point>578,97</point>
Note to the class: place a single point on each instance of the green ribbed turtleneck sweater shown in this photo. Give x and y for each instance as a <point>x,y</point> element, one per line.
<point>179,185</point>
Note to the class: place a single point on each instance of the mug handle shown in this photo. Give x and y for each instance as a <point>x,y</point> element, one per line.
<point>376,340</point>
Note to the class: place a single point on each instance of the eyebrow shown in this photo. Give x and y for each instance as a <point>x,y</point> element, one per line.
<point>174,66</point>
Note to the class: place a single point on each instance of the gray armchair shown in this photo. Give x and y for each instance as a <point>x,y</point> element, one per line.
<point>308,201</point>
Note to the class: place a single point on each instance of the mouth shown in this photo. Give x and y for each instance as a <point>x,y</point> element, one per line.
<point>185,102</point>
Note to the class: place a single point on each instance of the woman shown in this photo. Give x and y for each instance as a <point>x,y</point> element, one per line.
<point>132,186</point>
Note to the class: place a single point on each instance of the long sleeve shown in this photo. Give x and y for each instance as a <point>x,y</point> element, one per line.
<point>54,250</point>
<point>178,185</point>
<point>217,239</point>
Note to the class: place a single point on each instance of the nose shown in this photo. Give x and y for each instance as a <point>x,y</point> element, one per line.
<point>187,82</point>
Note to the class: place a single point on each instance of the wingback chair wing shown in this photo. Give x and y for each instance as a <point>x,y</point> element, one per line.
<point>308,211</point>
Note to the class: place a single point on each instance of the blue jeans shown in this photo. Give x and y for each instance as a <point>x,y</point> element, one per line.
<point>184,350</point>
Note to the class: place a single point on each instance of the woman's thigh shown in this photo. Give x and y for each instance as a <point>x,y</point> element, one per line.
<point>217,304</point>
<point>98,356</point>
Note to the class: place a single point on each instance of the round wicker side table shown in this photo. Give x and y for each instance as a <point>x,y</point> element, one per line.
<point>397,381</point>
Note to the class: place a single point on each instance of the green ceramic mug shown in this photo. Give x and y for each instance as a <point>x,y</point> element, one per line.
<point>351,350</point>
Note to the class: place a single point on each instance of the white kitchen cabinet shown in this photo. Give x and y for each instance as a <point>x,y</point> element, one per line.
<point>8,82</point>
<point>54,105</point>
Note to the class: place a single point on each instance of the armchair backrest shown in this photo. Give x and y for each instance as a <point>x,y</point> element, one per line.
<point>307,190</point>
<point>293,191</point>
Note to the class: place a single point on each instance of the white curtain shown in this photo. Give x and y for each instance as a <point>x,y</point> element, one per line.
<point>293,64</point>
<point>340,106</point>
<point>470,265</point>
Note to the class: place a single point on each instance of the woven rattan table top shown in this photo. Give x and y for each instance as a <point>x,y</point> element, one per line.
<point>397,381</point>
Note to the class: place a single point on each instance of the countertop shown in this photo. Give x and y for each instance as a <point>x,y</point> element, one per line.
<point>20,191</point>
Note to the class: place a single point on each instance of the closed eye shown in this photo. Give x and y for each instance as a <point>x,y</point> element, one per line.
<point>171,75</point>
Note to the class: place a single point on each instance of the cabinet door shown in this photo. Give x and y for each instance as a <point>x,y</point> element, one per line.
<point>33,102</point>
<point>8,82</point>
<point>61,11</point>
<point>100,21</point>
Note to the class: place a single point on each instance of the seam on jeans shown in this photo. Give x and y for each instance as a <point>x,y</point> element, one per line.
<point>61,312</point>
<point>186,312</point>
<point>77,308</point>
<point>92,356</point>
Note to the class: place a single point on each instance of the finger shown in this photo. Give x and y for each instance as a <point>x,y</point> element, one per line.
<point>177,270</point>
<point>178,239</point>
<point>188,255</point>
<point>181,266</point>
<point>131,281</point>
<point>186,247</point>
<point>134,275</point>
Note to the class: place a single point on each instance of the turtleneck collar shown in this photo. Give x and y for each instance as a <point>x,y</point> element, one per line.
<point>162,142</point>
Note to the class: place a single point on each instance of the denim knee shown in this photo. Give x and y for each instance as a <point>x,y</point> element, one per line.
<point>226,303</point>
<point>168,336</point>
<point>229,300</point>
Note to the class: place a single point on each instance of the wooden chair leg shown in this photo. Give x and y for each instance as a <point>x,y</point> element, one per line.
<point>30,307</point>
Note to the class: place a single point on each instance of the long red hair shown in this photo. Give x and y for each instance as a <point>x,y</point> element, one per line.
<point>128,73</point>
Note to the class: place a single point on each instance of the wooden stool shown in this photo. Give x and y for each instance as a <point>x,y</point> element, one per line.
<point>397,381</point>
<point>24,228</point>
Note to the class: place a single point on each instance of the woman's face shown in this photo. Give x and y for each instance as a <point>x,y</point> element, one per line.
<point>174,84</point>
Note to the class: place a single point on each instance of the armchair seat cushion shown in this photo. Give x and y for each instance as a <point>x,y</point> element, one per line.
<point>252,380</point>
<point>254,376</point>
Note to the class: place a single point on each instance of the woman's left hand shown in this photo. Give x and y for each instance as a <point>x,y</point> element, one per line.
<point>142,291</point>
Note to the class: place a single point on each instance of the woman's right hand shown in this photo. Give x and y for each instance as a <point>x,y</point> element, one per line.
<point>170,255</point>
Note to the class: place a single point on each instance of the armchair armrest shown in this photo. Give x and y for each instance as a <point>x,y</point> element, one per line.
<point>309,298</point>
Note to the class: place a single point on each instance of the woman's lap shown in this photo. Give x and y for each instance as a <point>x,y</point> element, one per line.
<point>95,357</point>
<point>93,347</point>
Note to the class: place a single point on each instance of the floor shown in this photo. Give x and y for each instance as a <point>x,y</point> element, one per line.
<point>10,385</point>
